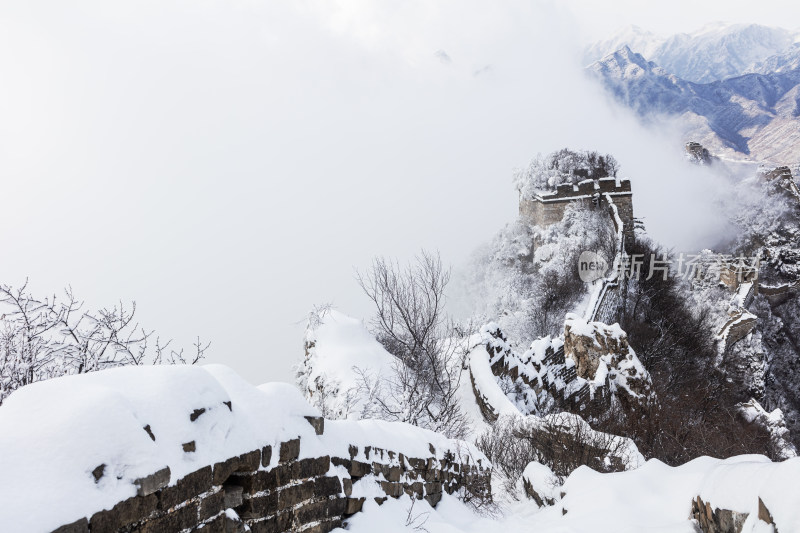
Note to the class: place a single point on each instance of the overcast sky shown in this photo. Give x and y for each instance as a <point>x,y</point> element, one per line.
<point>227,165</point>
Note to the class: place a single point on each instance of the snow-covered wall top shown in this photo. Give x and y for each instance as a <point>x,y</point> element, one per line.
<point>76,445</point>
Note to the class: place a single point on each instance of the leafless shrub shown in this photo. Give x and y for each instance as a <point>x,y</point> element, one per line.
<point>412,325</point>
<point>561,442</point>
<point>51,337</point>
<point>475,490</point>
<point>416,521</point>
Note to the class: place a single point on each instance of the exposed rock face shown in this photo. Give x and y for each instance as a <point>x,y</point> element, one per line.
<point>601,353</point>
<point>714,520</point>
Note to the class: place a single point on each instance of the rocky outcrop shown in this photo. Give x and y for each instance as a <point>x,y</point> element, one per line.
<point>715,520</point>
<point>603,358</point>
<point>586,372</point>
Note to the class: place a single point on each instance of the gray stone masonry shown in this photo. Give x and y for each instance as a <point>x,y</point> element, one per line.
<point>296,494</point>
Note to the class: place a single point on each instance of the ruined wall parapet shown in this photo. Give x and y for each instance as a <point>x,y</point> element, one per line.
<point>277,490</point>
<point>546,208</point>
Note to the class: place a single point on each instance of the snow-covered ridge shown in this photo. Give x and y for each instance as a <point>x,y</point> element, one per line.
<point>80,444</point>
<point>751,114</point>
<point>712,53</point>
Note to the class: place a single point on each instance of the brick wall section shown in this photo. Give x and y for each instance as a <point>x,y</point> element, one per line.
<point>570,398</point>
<point>304,495</point>
<point>546,209</point>
<point>737,328</point>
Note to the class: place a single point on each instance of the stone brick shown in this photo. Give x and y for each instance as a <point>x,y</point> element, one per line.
<point>224,469</point>
<point>347,486</point>
<point>266,456</point>
<point>180,519</point>
<point>336,506</point>
<point>418,464</point>
<point>187,487</point>
<point>189,447</point>
<point>327,486</point>
<point>248,462</point>
<point>359,469</point>
<point>150,484</point>
<point>78,526</point>
<point>395,490</point>
<point>212,504</point>
<point>217,525</point>
<point>353,505</point>
<point>260,506</point>
<point>124,513</point>
<point>325,527</point>
<point>283,521</point>
<point>414,488</point>
<point>318,423</point>
<point>312,467</point>
<point>291,496</point>
<point>339,461</point>
<point>289,451</point>
<point>433,498</point>
<point>392,473</point>
<point>270,525</point>
<point>433,487</point>
<point>233,496</point>
<point>263,479</point>
<point>98,472</point>
<point>352,450</point>
<point>311,512</point>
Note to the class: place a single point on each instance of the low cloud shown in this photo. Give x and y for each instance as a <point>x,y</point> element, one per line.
<point>228,165</point>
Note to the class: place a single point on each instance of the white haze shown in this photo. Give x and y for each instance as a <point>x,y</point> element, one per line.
<point>229,164</point>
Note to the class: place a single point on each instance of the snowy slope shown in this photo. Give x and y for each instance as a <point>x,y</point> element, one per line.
<point>55,433</point>
<point>653,498</point>
<point>339,352</point>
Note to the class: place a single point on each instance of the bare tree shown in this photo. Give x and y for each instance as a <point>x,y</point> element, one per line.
<point>412,325</point>
<point>51,337</point>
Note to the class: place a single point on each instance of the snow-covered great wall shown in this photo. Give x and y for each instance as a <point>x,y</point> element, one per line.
<point>180,448</point>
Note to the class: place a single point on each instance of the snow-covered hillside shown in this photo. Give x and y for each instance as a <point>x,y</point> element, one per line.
<point>753,115</point>
<point>76,445</point>
<point>652,498</point>
<point>648,496</point>
<point>733,88</point>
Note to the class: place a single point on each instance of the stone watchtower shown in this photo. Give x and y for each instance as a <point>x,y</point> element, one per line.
<point>545,208</point>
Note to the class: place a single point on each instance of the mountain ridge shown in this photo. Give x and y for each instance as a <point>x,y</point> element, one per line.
<point>754,114</point>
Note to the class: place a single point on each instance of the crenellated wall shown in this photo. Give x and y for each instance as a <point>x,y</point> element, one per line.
<point>548,208</point>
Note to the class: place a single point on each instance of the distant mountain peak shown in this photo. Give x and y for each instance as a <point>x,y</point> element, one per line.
<point>714,52</point>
